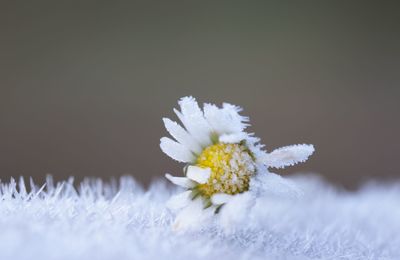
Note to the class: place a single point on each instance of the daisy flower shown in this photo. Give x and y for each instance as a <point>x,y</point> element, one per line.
<point>224,165</point>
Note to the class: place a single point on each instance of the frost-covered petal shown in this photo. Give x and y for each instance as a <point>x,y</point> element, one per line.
<point>182,136</point>
<point>180,200</point>
<point>232,138</point>
<point>272,185</point>
<point>213,115</point>
<point>239,123</point>
<point>176,150</point>
<point>288,155</point>
<point>180,181</point>
<point>193,119</point>
<point>221,198</point>
<point>200,175</point>
<point>193,216</point>
<point>235,211</point>
<point>225,120</point>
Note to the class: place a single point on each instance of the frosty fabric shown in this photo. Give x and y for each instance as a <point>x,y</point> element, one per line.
<point>123,221</point>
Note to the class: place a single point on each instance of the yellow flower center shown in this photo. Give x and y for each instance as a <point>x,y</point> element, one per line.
<point>231,168</point>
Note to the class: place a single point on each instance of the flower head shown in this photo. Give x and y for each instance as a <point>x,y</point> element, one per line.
<point>222,160</point>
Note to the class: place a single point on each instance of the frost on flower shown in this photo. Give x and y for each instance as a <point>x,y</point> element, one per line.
<point>226,167</point>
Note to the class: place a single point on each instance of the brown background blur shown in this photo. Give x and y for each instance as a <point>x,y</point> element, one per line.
<point>83,87</point>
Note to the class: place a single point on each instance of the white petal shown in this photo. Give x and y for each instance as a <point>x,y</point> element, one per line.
<point>225,120</point>
<point>200,175</point>
<point>288,155</point>
<point>193,119</point>
<point>180,181</point>
<point>238,122</point>
<point>232,138</point>
<point>272,185</point>
<point>182,136</point>
<point>220,198</point>
<point>176,150</point>
<point>236,211</point>
<point>213,115</point>
<point>179,201</point>
<point>193,216</point>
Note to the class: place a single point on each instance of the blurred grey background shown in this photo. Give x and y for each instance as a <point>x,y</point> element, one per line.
<point>83,86</point>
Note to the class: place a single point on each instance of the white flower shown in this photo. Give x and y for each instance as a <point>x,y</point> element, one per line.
<point>224,164</point>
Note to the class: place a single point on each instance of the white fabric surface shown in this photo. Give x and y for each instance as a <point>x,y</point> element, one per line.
<point>124,221</point>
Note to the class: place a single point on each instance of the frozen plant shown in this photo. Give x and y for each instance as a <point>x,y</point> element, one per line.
<point>226,168</point>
